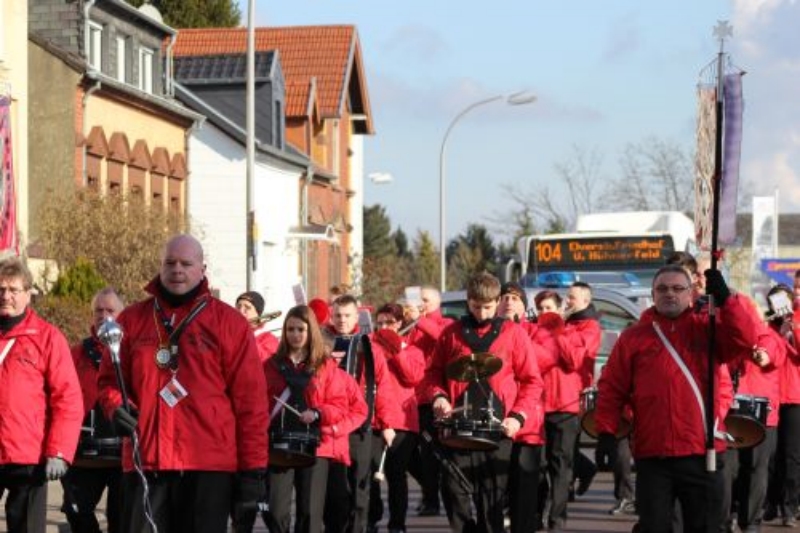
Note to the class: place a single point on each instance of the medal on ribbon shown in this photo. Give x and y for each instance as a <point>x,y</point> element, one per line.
<point>163,357</point>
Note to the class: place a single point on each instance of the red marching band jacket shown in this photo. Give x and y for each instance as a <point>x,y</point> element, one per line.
<point>578,343</point>
<point>517,384</point>
<point>222,423</point>
<point>790,372</point>
<point>641,373</point>
<point>424,336</point>
<point>405,371</point>
<point>40,398</point>
<point>336,396</point>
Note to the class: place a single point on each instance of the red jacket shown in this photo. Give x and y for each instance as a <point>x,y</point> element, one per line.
<point>87,372</point>
<point>640,371</point>
<point>517,384</point>
<point>387,411</point>
<point>404,372</point>
<point>267,342</point>
<point>40,398</point>
<point>331,392</point>
<point>221,425</point>
<point>790,372</point>
<point>578,344</point>
<point>424,336</point>
<point>766,382</point>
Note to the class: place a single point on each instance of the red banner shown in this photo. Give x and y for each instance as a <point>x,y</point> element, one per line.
<point>8,201</point>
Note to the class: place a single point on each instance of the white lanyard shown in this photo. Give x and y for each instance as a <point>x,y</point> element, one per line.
<point>6,349</point>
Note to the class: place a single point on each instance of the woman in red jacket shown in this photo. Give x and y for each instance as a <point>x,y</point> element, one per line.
<point>309,396</point>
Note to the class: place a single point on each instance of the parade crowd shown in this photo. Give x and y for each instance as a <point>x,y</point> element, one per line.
<point>193,416</point>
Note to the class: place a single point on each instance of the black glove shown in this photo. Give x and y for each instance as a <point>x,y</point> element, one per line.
<point>606,451</point>
<point>250,495</point>
<point>125,422</point>
<point>716,286</point>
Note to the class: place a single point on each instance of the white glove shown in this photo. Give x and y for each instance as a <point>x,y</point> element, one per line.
<point>55,468</point>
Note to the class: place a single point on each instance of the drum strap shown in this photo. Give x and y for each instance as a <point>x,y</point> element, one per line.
<point>6,349</point>
<point>688,375</point>
<point>477,343</point>
<point>91,351</point>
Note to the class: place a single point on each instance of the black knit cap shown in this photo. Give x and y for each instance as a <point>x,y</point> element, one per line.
<point>514,288</point>
<point>254,298</point>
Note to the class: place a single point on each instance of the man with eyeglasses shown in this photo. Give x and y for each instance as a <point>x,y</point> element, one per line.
<point>659,367</point>
<point>40,406</point>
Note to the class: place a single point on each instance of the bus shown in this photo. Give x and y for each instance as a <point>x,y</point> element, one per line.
<point>606,249</point>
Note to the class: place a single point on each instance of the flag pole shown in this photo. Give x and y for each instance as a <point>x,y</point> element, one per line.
<point>721,31</point>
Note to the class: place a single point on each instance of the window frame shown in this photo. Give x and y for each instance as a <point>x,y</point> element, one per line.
<point>146,69</point>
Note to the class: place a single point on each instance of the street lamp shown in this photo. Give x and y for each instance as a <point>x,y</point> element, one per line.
<point>520,98</point>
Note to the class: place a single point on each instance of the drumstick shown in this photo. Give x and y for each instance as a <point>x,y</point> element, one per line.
<point>379,476</point>
<point>288,407</point>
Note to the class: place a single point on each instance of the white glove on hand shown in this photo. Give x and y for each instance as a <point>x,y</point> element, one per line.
<point>55,468</point>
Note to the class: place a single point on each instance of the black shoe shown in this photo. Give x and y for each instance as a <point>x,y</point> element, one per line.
<point>571,495</point>
<point>428,510</point>
<point>585,482</point>
<point>624,506</point>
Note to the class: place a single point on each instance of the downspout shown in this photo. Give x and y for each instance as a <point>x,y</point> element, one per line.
<point>86,35</point>
<point>304,220</point>
<point>169,89</point>
<point>84,103</point>
<point>187,138</point>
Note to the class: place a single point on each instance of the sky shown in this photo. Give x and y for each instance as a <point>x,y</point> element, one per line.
<point>606,73</point>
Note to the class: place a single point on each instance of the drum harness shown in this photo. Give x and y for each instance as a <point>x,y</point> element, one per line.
<point>353,365</point>
<point>478,388</point>
<point>296,384</point>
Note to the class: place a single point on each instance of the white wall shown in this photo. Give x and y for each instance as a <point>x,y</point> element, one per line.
<point>357,202</point>
<point>217,210</point>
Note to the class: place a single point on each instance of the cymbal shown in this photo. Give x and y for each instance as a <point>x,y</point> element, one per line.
<point>474,366</point>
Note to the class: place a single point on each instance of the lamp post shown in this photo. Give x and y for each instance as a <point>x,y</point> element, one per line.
<point>520,98</point>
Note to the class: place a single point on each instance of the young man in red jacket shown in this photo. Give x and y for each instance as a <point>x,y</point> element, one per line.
<point>198,399</point>
<point>98,464</point>
<point>504,400</point>
<point>40,405</point>
<point>659,367</point>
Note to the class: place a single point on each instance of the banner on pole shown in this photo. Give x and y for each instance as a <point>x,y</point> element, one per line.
<point>704,165</point>
<point>8,201</point>
<point>731,154</point>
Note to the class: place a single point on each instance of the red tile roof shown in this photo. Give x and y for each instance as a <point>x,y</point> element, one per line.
<point>323,52</point>
<point>298,98</point>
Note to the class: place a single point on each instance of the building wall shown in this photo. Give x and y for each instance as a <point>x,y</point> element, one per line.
<point>217,203</point>
<point>355,249</point>
<point>55,101</point>
<point>57,21</point>
<point>14,82</point>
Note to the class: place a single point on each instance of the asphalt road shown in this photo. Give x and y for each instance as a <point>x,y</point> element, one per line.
<point>588,513</point>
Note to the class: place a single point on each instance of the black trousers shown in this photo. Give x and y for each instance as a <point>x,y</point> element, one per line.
<point>186,502</point>
<point>309,485</point>
<point>395,469</point>
<point>338,499</point>
<point>488,472</point>
<point>561,431</point>
<point>662,481</point>
<point>83,489</point>
<point>424,466</point>
<point>26,504</point>
<point>746,476</point>
<point>523,487</point>
<point>786,491</point>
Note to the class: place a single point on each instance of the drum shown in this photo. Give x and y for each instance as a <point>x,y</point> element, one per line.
<point>293,449</point>
<point>747,420</point>
<point>588,405</point>
<point>462,433</point>
<point>98,447</point>
<point>98,452</point>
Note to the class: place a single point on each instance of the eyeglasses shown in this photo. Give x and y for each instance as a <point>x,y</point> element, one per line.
<point>677,289</point>
<point>13,291</point>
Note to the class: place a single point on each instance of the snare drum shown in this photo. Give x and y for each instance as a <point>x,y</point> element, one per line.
<point>99,452</point>
<point>462,433</point>
<point>588,405</point>
<point>293,449</point>
<point>747,420</point>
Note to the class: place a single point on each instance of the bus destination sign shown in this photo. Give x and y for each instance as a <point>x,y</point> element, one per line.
<point>599,252</point>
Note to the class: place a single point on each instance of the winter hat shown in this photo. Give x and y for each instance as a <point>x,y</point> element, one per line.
<point>255,299</point>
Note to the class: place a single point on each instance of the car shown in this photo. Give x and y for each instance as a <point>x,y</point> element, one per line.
<point>618,309</point>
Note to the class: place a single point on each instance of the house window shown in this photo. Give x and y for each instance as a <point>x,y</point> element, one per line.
<point>146,70</point>
<point>94,54</point>
<point>122,49</point>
